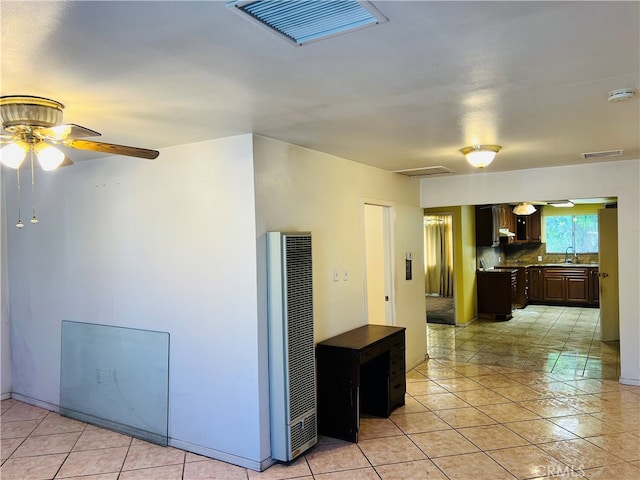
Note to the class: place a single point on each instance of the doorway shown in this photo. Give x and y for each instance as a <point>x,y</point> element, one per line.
<point>378,264</point>
<point>439,273</point>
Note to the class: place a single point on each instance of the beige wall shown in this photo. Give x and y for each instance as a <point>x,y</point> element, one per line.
<point>611,179</point>
<point>300,189</point>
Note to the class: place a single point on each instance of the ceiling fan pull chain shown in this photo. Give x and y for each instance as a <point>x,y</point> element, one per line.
<point>34,219</point>
<point>19,224</point>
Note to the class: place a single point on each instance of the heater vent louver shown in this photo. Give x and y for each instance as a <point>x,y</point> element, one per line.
<point>425,171</point>
<point>603,154</point>
<point>304,21</point>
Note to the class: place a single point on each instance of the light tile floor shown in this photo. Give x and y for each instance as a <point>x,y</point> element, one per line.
<point>489,406</point>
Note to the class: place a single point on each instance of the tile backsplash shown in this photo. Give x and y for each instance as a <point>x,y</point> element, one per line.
<point>526,255</point>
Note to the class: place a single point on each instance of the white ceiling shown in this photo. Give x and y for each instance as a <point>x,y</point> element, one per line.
<point>531,76</point>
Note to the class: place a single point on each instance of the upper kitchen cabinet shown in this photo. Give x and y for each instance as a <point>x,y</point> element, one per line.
<point>494,225</point>
<point>487,226</point>
<point>527,228</point>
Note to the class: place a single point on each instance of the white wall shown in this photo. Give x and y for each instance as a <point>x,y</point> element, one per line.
<point>620,179</point>
<point>5,328</point>
<point>165,245</point>
<point>298,189</point>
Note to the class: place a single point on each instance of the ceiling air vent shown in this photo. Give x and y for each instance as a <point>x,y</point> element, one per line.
<point>304,21</point>
<point>425,171</point>
<point>603,154</point>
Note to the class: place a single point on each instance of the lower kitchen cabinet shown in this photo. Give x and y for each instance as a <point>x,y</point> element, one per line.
<point>572,286</point>
<point>594,287</point>
<point>496,293</point>
<point>535,284</point>
<point>521,297</point>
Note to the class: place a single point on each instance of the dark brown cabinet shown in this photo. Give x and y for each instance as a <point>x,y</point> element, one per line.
<point>521,297</point>
<point>487,226</point>
<point>492,219</point>
<point>527,228</point>
<point>496,293</point>
<point>566,285</point>
<point>535,284</point>
<point>359,371</point>
<point>594,287</point>
<point>572,286</point>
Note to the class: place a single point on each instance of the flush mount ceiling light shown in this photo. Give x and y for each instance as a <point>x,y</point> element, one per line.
<point>480,156</point>
<point>304,21</point>
<point>524,208</point>
<point>561,203</point>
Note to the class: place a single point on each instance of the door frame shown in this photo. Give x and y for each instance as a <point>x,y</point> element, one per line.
<point>388,209</point>
<point>455,257</point>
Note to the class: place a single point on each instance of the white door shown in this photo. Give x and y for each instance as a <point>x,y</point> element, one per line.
<point>378,265</point>
<point>608,273</point>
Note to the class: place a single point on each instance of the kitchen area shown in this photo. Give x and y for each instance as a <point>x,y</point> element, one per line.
<point>516,268</point>
<point>538,303</point>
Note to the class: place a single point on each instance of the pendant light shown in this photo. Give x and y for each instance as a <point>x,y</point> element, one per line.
<point>524,208</point>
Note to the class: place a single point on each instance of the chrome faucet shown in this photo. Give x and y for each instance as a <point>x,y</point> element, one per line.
<point>566,255</point>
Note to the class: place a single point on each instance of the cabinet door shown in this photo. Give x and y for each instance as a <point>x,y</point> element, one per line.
<point>521,229</point>
<point>594,287</point>
<point>534,227</point>
<point>487,219</point>
<point>505,216</point>
<point>577,289</point>
<point>554,288</point>
<point>535,284</point>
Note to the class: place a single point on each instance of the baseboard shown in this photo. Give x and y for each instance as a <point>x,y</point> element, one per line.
<point>36,403</point>
<point>5,396</point>
<point>258,466</point>
<point>629,381</point>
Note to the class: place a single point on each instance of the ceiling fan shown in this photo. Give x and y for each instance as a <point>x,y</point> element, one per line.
<point>34,124</point>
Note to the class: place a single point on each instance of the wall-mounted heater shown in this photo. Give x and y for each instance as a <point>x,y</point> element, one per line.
<point>292,378</point>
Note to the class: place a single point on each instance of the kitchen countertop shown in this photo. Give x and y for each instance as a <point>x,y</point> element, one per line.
<point>509,265</point>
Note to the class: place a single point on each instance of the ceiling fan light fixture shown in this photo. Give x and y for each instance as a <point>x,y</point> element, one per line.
<point>49,157</point>
<point>13,154</point>
<point>29,110</point>
<point>480,156</point>
<point>524,208</point>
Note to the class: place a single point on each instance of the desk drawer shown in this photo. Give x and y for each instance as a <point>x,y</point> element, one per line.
<point>397,367</point>
<point>373,351</point>
<point>397,390</point>
<point>397,344</point>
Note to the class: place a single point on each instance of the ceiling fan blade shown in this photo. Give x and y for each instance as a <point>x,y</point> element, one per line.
<point>111,148</point>
<point>61,132</point>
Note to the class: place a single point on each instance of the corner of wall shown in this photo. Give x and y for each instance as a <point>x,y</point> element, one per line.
<point>5,324</point>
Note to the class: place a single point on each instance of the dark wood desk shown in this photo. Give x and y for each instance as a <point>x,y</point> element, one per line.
<point>359,371</point>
